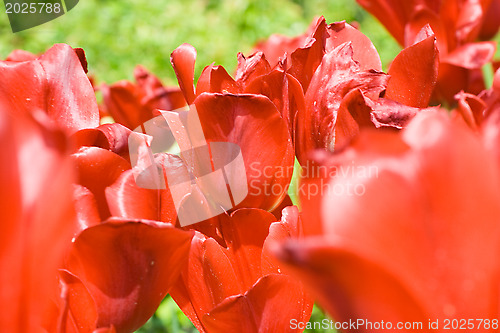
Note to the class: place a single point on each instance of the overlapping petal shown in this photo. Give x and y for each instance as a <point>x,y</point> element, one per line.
<point>56,83</point>
<point>127,268</point>
<point>448,268</point>
<point>37,217</point>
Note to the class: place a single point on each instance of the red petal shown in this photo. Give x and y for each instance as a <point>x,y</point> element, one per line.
<point>490,22</point>
<point>97,169</point>
<point>364,52</point>
<point>418,239</point>
<point>349,287</point>
<point>425,17</point>
<point>87,213</point>
<point>393,14</point>
<point>20,55</point>
<point>206,281</point>
<point>253,123</point>
<point>244,234</point>
<point>216,79</point>
<point>414,73</point>
<point>283,90</point>
<point>251,67</point>
<point>113,137</point>
<point>183,59</point>
<point>306,59</point>
<point>472,55</point>
<point>128,266</point>
<point>78,311</point>
<point>54,83</point>
<point>37,218</point>
<point>335,77</point>
<point>123,103</point>
<point>127,200</point>
<point>471,108</point>
<point>272,302</point>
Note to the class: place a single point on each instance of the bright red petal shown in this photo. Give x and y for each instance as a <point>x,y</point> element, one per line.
<point>37,217</point>
<point>55,83</point>
<point>255,125</point>
<point>414,74</point>
<point>183,59</point>
<point>272,302</point>
<point>128,268</point>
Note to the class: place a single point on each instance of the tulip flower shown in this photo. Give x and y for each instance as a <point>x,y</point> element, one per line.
<point>457,25</point>
<point>416,239</point>
<point>342,96</point>
<point>253,76</point>
<point>36,214</point>
<point>56,83</point>
<point>119,265</point>
<point>133,104</point>
<point>224,283</point>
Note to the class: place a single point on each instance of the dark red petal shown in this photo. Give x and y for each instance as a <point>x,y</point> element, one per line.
<point>216,79</point>
<point>113,137</point>
<point>54,83</point>
<point>451,80</point>
<point>251,67</point>
<point>287,201</point>
<point>335,77</point>
<point>364,51</point>
<point>97,169</point>
<point>156,96</point>
<point>490,21</point>
<point>414,74</point>
<point>393,14</point>
<point>128,266</point>
<point>306,59</point>
<point>272,302</point>
<point>123,103</point>
<point>183,59</point>
<point>254,124</point>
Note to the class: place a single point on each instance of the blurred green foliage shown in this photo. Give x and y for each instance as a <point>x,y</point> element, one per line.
<point>117,35</point>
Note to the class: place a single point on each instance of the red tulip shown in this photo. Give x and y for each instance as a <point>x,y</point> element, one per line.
<point>36,214</point>
<point>118,272</point>
<point>410,234</point>
<point>223,284</point>
<point>133,104</point>
<point>342,97</point>
<point>456,24</point>
<point>56,83</point>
